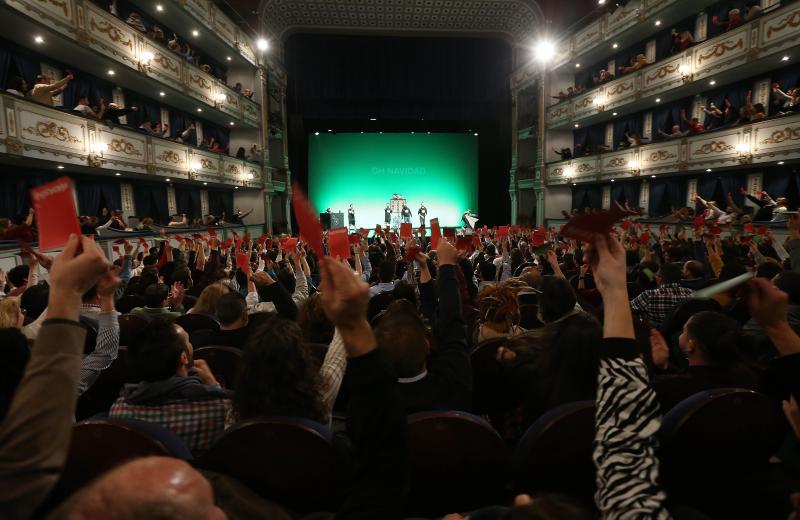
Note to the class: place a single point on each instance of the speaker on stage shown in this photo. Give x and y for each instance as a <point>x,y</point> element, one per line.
<point>325,219</point>
<point>331,220</point>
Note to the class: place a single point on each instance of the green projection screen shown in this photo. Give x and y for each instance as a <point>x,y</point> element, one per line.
<point>439,170</point>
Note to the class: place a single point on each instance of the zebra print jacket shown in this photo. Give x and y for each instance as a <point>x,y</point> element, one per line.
<point>626,421</point>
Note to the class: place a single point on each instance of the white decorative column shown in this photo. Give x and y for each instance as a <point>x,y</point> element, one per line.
<point>647,126</point>
<point>172,205</point>
<point>650,51</point>
<point>609,140</point>
<point>701,27</point>
<point>606,197</point>
<point>198,126</point>
<point>697,108</point>
<point>644,196</point>
<point>755,182</point>
<point>128,203</point>
<point>612,67</point>
<point>165,119</point>
<point>691,189</point>
<point>204,202</point>
<point>761,91</point>
<point>118,97</point>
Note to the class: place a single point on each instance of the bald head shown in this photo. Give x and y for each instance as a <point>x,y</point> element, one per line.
<point>150,488</point>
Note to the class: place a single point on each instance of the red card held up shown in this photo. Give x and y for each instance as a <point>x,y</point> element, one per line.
<point>56,216</point>
<point>411,253</point>
<point>586,227</point>
<point>502,231</point>
<point>749,228</point>
<point>239,242</point>
<point>115,249</point>
<point>699,222</point>
<point>338,243</point>
<point>762,230</point>
<point>197,236</point>
<point>715,230</point>
<point>645,237</point>
<point>450,234</point>
<point>436,233</point>
<point>262,239</point>
<point>626,224</point>
<point>212,232</point>
<point>538,237</point>
<point>405,230</point>
<point>310,228</point>
<point>288,244</point>
<point>243,262</point>
<point>464,243</point>
<point>143,242</point>
<point>476,241</point>
<point>355,239</point>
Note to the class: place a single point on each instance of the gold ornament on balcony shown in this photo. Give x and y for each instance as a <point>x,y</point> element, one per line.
<point>779,136</point>
<point>51,130</point>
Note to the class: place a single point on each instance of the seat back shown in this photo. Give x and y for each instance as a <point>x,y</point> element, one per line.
<point>99,397</point>
<point>488,377</point>
<point>129,302</point>
<point>555,454</point>
<point>458,463</point>
<point>289,460</point>
<point>102,444</point>
<point>223,361</point>
<point>717,438</point>
<point>528,316</point>
<point>194,322</point>
<point>130,326</point>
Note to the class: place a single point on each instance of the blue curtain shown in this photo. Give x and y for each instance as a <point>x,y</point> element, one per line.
<point>148,109</point>
<point>730,182</point>
<point>580,137</point>
<point>656,200</point>
<point>151,201</point>
<point>219,201</point>
<point>594,193</point>
<point>787,78</point>
<point>664,38</point>
<point>111,194</point>
<point>617,193</point>
<point>86,85</point>
<point>187,199</point>
<point>583,77</point>
<point>631,192</point>
<point>631,124</point>
<point>222,135</point>
<point>736,93</point>
<point>668,115</point>
<point>579,199</point>
<point>776,182</point>
<point>5,68</point>
<point>89,194</point>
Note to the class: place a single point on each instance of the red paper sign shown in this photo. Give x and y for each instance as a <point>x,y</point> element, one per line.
<point>355,239</point>
<point>699,222</point>
<point>476,241</point>
<point>120,241</point>
<point>143,242</point>
<point>197,236</point>
<point>436,233</point>
<point>56,216</point>
<point>239,242</point>
<point>762,230</point>
<point>538,237</point>
<point>450,234</point>
<point>411,253</point>
<point>338,243</point>
<point>421,231</point>
<point>715,230</point>
<point>464,243</point>
<point>405,230</point>
<point>262,239</point>
<point>115,249</point>
<point>288,244</point>
<point>626,224</point>
<point>586,227</point>
<point>310,228</point>
<point>502,231</point>
<point>749,228</point>
<point>243,262</point>
<point>645,237</point>
<point>212,232</point>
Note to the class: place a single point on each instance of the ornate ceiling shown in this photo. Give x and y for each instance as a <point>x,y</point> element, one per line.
<point>513,19</point>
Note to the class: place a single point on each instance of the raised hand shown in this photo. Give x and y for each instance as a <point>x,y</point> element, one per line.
<point>76,269</point>
<point>446,253</point>
<point>344,299</point>
<point>109,282</point>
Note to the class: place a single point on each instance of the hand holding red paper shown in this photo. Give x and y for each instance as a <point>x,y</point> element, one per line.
<point>56,216</point>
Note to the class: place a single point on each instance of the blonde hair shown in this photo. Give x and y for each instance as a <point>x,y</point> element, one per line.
<point>9,313</point>
<point>207,302</point>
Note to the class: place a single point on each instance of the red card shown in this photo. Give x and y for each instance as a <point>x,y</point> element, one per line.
<point>338,243</point>
<point>243,262</point>
<point>197,236</point>
<point>762,230</point>
<point>749,228</point>
<point>587,226</point>
<point>645,238</point>
<point>502,231</point>
<point>355,239</point>
<point>239,242</point>
<point>56,216</point>
<point>229,242</point>
<point>405,230</point>
<point>411,253</point>
<point>363,232</point>
<point>476,241</point>
<point>436,233</point>
<point>538,237</point>
<point>143,242</point>
<point>212,232</point>
<point>464,243</point>
<point>626,224</point>
<point>378,231</point>
<point>310,228</point>
<point>120,241</point>
<point>699,222</point>
<point>262,239</point>
<point>234,233</point>
<point>450,234</point>
<point>288,244</point>
<point>715,230</point>
<point>115,249</point>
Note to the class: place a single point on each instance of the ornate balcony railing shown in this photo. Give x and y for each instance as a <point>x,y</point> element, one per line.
<point>92,27</point>
<point>761,142</point>
<point>35,131</point>
<point>757,44</point>
<point>210,15</point>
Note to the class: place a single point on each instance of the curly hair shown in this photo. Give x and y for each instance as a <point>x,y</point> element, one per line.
<point>277,375</point>
<point>499,304</point>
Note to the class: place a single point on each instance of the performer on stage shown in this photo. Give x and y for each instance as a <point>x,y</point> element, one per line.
<point>351,217</point>
<point>469,219</point>
<point>387,215</point>
<point>406,214</point>
<point>422,212</point>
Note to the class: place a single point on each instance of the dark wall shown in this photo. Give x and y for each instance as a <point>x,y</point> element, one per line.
<point>421,84</point>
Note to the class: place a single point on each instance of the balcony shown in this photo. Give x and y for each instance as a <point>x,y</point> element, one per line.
<point>37,132</point>
<point>97,41</point>
<point>224,37</point>
<point>766,141</point>
<point>751,49</point>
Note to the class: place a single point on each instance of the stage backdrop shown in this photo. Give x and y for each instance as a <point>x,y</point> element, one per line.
<point>365,170</point>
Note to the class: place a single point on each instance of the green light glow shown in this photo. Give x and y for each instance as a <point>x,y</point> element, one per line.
<point>439,170</point>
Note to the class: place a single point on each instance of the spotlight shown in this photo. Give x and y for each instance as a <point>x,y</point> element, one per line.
<point>712,82</point>
<point>162,94</point>
<point>658,100</point>
<point>147,56</point>
<point>475,134</point>
<point>708,169</point>
<point>601,2</point>
<point>60,167</point>
<point>262,44</point>
<point>382,132</point>
<point>231,123</point>
<point>544,50</point>
<point>613,113</point>
<point>329,130</point>
<point>38,39</point>
<point>785,58</point>
<point>110,72</point>
<point>236,187</point>
<point>614,46</point>
<point>167,179</point>
<point>577,125</point>
<point>199,109</point>
<point>228,58</point>
<point>195,33</point>
<point>658,22</point>
<point>577,65</point>
<point>373,118</point>
<point>780,163</point>
<point>612,180</point>
<point>118,174</point>
<point>574,183</point>
<point>205,184</point>
<point>316,133</point>
<point>159,7</point>
<point>652,176</point>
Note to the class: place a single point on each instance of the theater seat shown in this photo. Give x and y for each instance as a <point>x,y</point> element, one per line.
<point>528,313</point>
<point>555,454</point>
<point>130,326</point>
<point>291,461</point>
<point>100,445</point>
<point>194,322</point>
<point>488,378</point>
<point>458,462</point>
<point>105,390</point>
<point>223,362</point>
<point>716,440</point>
<point>129,302</point>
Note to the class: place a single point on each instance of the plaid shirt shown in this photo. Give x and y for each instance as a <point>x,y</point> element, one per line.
<point>656,303</point>
<point>197,423</point>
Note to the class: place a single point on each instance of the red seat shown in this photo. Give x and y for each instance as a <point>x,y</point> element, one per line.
<point>130,326</point>
<point>289,460</point>
<point>223,361</point>
<point>555,454</point>
<point>458,462</point>
<point>193,322</point>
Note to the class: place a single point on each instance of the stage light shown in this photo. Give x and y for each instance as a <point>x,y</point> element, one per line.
<point>577,65</point>
<point>236,187</point>
<point>162,94</point>
<point>612,180</point>
<point>60,167</point>
<point>167,179</point>
<point>316,133</point>
<point>373,119</point>
<point>195,33</point>
<point>574,183</point>
<point>199,109</point>
<point>614,46</point>
<point>110,72</point>
<point>330,130</point>
<point>544,50</point>
<point>658,100</point>
<point>159,7</point>
<point>785,58</point>
<point>712,82</point>
<point>147,56</point>
<point>475,134</point>
<point>228,58</point>
<point>231,123</point>
<point>380,132</point>
<point>429,133</point>
<point>652,176</point>
<point>577,125</point>
<point>118,174</point>
<point>658,22</point>
<point>262,44</point>
<point>742,147</point>
<point>38,39</point>
<point>780,163</point>
<point>708,169</point>
<point>205,184</point>
<point>613,113</point>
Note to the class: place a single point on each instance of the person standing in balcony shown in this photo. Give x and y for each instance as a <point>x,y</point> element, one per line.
<point>44,91</point>
<point>734,20</point>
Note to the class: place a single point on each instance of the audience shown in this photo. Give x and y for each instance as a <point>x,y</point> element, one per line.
<point>162,302</point>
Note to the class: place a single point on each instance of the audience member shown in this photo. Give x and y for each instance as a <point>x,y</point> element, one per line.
<point>654,304</point>
<point>44,90</point>
<point>161,302</point>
